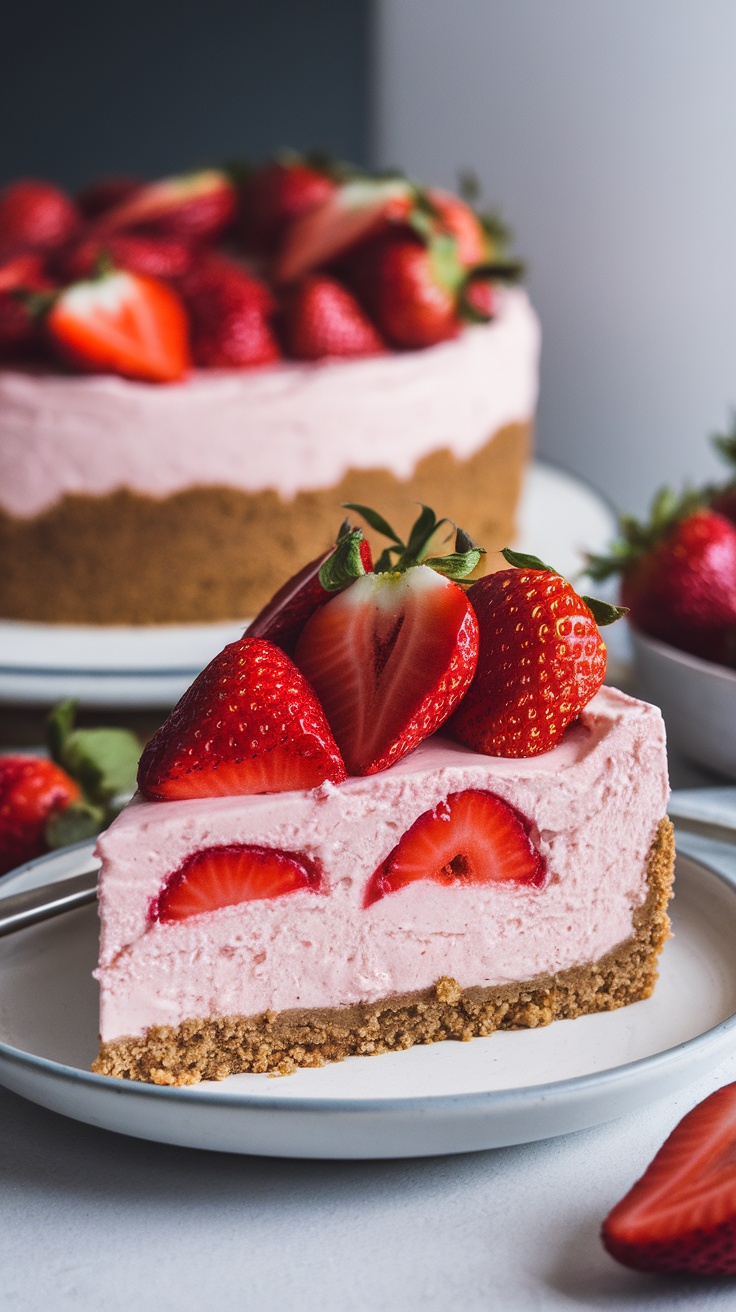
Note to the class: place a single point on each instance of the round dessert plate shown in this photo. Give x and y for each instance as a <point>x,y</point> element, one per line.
<point>150,666</point>
<point>444,1098</point>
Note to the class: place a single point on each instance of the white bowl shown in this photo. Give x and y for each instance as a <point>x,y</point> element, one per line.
<point>698,701</point>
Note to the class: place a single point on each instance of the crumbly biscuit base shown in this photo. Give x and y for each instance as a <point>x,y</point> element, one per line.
<point>198,555</point>
<point>279,1042</point>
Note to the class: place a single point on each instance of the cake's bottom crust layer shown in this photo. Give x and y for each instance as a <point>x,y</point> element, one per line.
<point>199,555</point>
<point>280,1042</point>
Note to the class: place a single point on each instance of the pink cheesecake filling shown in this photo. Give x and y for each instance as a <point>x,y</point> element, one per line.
<point>290,427</point>
<point>592,806</point>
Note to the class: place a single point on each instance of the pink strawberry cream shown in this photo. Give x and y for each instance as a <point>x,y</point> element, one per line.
<point>590,810</point>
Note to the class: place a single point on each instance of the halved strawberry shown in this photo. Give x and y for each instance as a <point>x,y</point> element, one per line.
<point>284,616</point>
<point>195,205</point>
<point>250,723</point>
<point>227,875</point>
<point>680,1217</point>
<point>353,212</point>
<point>392,655</point>
<point>472,837</point>
<point>122,323</point>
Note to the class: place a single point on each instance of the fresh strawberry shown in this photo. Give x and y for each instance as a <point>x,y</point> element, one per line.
<point>480,298</point>
<point>19,326</point>
<point>274,195</point>
<point>195,205</point>
<point>353,212</point>
<point>455,217</point>
<point>230,314</point>
<point>121,323</point>
<point>105,194</point>
<point>541,659</point>
<point>32,790</point>
<point>391,656</point>
<point>322,320</point>
<point>679,576</point>
<point>217,877</point>
<point>472,837</point>
<point>284,616</point>
<point>411,289</point>
<point>35,216</point>
<point>680,1217</point>
<point>250,723</point>
<point>156,257</point>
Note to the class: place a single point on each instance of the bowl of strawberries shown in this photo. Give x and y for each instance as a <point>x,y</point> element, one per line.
<point>678,581</point>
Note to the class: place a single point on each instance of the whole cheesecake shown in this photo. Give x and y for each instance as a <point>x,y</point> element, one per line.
<point>197,372</point>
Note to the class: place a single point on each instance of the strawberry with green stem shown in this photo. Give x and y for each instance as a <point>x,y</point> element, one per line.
<point>678,575</point>
<point>392,655</point>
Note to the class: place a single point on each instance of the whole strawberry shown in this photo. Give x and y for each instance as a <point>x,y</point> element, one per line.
<point>680,1217</point>
<point>20,279</point>
<point>250,723</point>
<point>678,577</point>
<point>411,288</point>
<point>322,320</point>
<point>391,656</point>
<point>230,314</point>
<point>723,498</point>
<point>35,216</point>
<point>276,194</point>
<point>105,193</point>
<point>156,257</point>
<point>32,790</point>
<point>540,660</point>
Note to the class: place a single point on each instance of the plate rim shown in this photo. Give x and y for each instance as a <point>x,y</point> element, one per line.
<point>458,1103</point>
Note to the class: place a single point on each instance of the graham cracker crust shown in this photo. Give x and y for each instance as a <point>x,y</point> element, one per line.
<point>201,554</point>
<point>278,1043</point>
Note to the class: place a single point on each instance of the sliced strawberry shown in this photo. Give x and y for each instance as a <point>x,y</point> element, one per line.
<point>389,658</point>
<point>322,320</point>
<point>250,723</point>
<point>230,313</point>
<point>156,257</point>
<point>274,196</point>
<point>284,616</point>
<point>680,1217</point>
<point>122,323</point>
<point>471,838</point>
<point>195,205</point>
<point>32,789</point>
<point>35,216</point>
<point>353,211</point>
<point>225,876</point>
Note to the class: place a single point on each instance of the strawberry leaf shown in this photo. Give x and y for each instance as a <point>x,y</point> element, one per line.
<point>422,531</point>
<point>375,520</point>
<point>345,565</point>
<point>523,561</point>
<point>103,761</point>
<point>456,565</point>
<point>602,612</point>
<point>76,822</point>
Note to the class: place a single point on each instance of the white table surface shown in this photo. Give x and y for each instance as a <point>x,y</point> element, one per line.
<point>91,1220</point>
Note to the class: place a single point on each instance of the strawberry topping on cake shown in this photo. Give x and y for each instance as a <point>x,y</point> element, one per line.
<point>219,877</point>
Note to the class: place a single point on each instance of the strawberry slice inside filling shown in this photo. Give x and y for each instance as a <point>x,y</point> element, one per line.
<point>225,876</point>
<point>472,837</point>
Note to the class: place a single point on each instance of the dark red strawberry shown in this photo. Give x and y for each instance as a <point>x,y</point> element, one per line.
<point>322,320</point>
<point>121,323</point>
<point>230,314</point>
<point>411,289</point>
<point>35,216</point>
<point>19,325</point>
<point>472,837</point>
<point>680,1217</point>
<point>276,194</point>
<point>392,655</point>
<point>250,723</point>
<point>541,659</point>
<point>678,576</point>
<point>194,205</point>
<point>105,194</point>
<point>156,257</point>
<point>284,616</point>
<point>32,790</point>
<point>348,216</point>
<point>217,877</point>
<point>723,498</point>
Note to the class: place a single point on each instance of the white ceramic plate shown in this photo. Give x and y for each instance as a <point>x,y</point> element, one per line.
<point>150,666</point>
<point>444,1098</point>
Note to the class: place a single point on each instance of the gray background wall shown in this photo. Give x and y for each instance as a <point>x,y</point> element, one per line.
<point>155,86</point>
<point>607,130</point>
